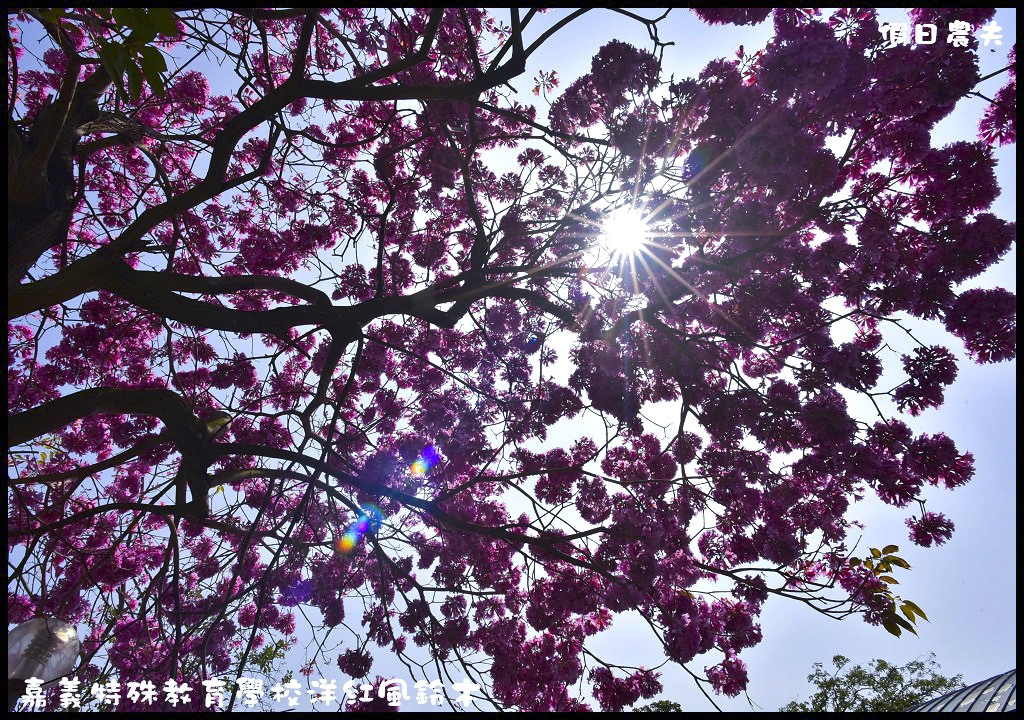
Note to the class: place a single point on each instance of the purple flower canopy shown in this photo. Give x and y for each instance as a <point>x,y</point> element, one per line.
<point>444,359</point>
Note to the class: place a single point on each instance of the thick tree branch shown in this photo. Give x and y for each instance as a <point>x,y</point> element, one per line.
<point>184,427</point>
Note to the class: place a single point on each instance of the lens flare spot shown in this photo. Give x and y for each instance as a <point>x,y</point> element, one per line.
<point>427,459</point>
<point>430,455</point>
<point>347,544</point>
<point>298,592</point>
<point>369,520</point>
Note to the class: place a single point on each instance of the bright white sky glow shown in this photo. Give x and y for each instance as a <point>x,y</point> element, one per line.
<point>624,232</point>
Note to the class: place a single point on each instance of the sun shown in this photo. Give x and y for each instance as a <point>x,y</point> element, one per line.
<point>625,232</point>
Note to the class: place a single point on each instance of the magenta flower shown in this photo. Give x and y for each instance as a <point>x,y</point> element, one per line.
<point>930,528</point>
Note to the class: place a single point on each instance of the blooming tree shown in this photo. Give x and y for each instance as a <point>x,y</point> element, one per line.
<point>301,302</point>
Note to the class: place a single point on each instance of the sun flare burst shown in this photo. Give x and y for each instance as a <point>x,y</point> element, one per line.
<point>625,232</point>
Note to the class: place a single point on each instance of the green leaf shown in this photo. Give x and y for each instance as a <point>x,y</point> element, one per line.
<point>157,83</point>
<point>876,553</point>
<point>908,611</point>
<point>153,66</point>
<point>903,623</point>
<point>125,17</point>
<point>114,59</point>
<point>898,561</point>
<point>892,627</point>
<point>134,82</point>
<point>890,549</point>
<point>913,606</point>
<point>889,579</point>
<point>164,21</point>
<point>154,59</point>
<point>145,30</point>
<point>854,562</point>
<point>52,15</point>
<point>869,564</point>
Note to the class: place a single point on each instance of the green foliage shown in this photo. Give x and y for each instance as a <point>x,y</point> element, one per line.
<point>134,57</point>
<point>879,687</point>
<point>129,55</point>
<point>38,452</point>
<point>266,657</point>
<point>660,706</point>
<point>882,563</point>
